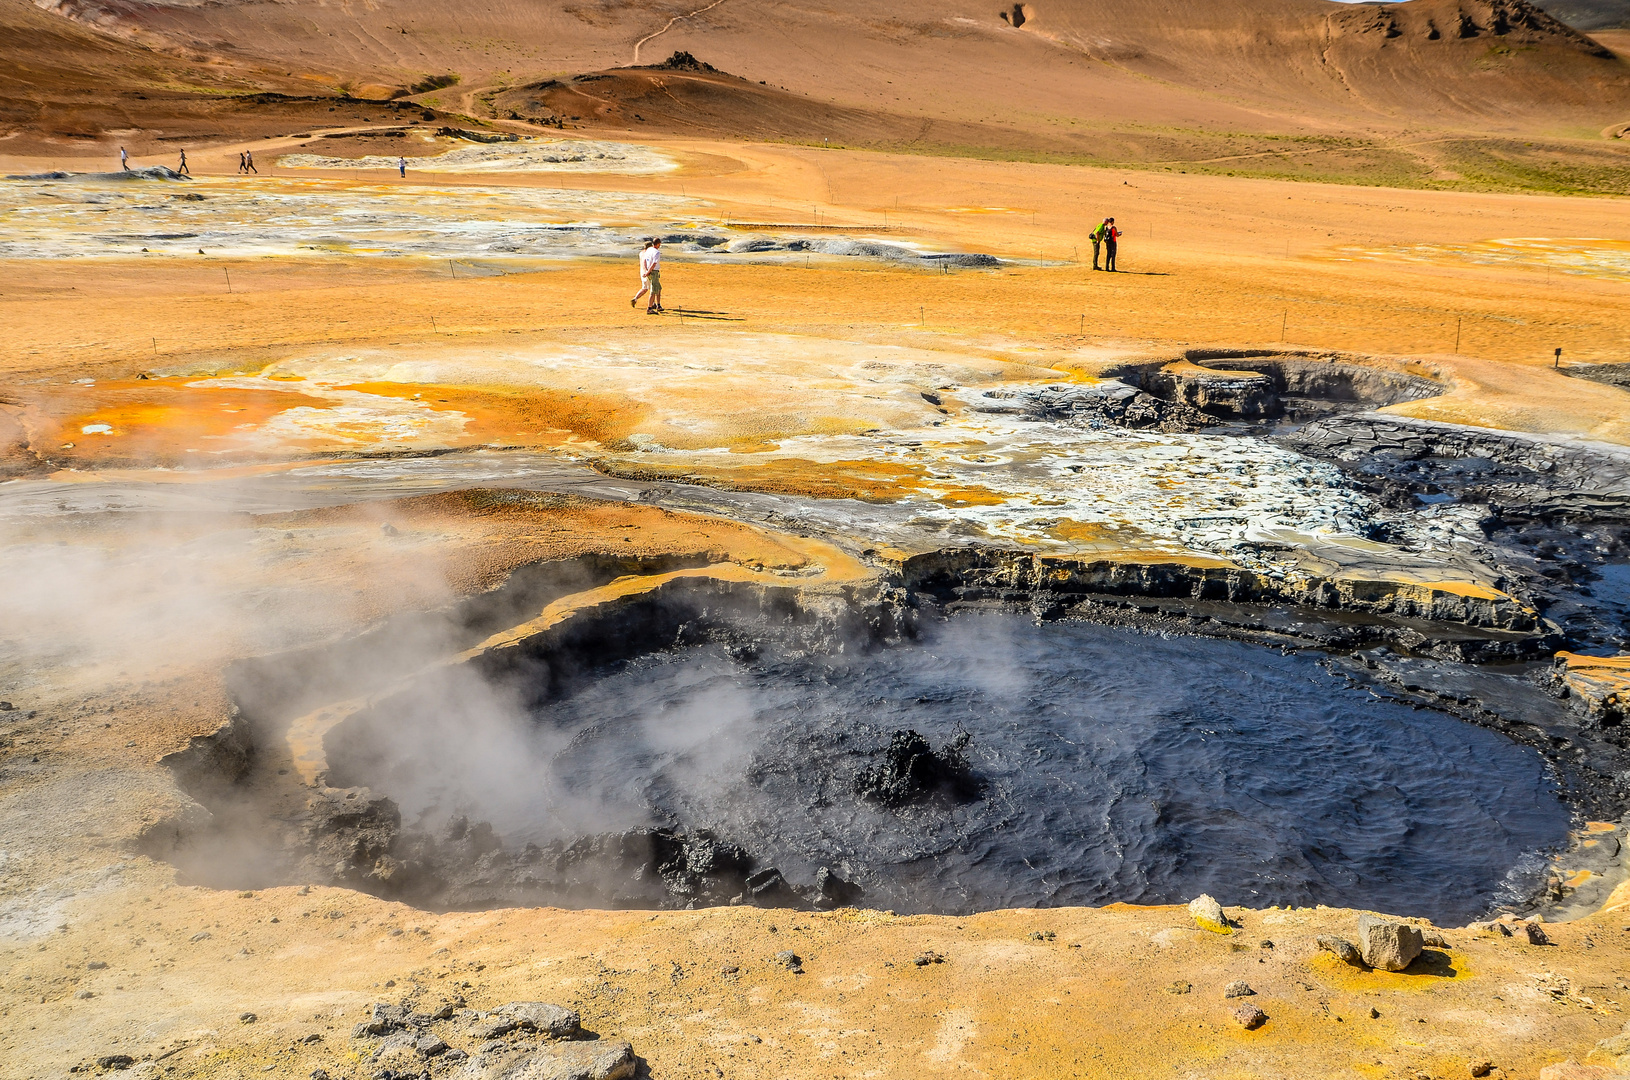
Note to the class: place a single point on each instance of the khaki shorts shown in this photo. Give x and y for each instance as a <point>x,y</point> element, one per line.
<point>654,279</point>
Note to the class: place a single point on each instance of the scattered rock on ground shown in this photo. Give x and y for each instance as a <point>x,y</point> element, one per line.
<point>1491,927</point>
<point>115,1061</point>
<point>430,1045</point>
<point>403,1046</point>
<point>565,1061</point>
<point>1481,1068</point>
<point>382,1020</point>
<point>1509,926</point>
<point>792,960</point>
<point>1249,1017</point>
<point>1387,945</point>
<point>929,957</point>
<point>542,1017</point>
<point>494,1028</point>
<point>1238,988</point>
<point>1179,987</point>
<point>1208,915</point>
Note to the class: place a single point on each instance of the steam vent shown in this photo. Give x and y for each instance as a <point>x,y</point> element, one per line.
<point>742,541</point>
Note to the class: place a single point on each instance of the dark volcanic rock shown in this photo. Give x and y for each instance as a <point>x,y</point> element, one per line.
<point>832,891</point>
<point>382,1020</point>
<point>350,830</point>
<point>1107,404</point>
<point>767,888</point>
<point>1511,470</point>
<point>683,61</point>
<point>1611,374</point>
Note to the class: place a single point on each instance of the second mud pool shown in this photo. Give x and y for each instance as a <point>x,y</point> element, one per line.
<point>1071,763</point>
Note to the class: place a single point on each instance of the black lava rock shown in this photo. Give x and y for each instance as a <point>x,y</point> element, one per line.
<point>832,891</point>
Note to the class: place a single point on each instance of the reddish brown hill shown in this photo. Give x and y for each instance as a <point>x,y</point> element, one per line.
<point>1175,81</point>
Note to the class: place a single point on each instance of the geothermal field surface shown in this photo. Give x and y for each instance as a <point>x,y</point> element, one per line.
<point>417,659</point>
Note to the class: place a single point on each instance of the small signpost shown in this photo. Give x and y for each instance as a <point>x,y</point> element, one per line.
<point>1558,363</point>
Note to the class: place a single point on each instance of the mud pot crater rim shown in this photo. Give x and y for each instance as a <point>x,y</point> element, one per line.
<point>1109,765</point>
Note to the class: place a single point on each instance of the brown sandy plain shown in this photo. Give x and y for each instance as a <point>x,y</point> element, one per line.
<point>115,654</point>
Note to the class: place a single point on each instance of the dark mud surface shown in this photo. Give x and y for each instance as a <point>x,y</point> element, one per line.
<point>1071,764</point>
<point>1550,515</point>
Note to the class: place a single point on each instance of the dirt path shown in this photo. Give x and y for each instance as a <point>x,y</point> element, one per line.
<point>670,25</point>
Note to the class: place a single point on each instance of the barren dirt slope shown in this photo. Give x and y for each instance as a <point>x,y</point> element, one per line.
<point>1490,64</point>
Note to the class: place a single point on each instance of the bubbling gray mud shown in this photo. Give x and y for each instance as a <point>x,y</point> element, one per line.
<point>1113,766</point>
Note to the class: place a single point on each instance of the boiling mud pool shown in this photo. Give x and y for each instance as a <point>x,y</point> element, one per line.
<point>1117,767</point>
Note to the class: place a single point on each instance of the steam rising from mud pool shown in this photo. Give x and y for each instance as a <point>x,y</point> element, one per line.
<point>1109,766</point>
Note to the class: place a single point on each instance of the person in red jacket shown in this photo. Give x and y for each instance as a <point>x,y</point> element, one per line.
<point>1112,239</point>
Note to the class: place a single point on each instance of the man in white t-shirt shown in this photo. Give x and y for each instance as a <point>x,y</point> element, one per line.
<point>650,276</point>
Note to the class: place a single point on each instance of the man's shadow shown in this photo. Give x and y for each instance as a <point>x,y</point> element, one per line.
<point>715,316</point>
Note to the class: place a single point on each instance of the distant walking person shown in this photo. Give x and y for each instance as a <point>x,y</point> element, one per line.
<point>249,162</point>
<point>645,274</point>
<point>182,168</point>
<point>242,168</point>
<point>124,159</point>
<point>401,165</point>
<point>1098,240</point>
<point>1112,240</point>
<point>650,276</point>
